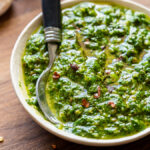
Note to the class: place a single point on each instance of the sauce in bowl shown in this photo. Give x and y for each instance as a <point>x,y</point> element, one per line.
<point>99,83</point>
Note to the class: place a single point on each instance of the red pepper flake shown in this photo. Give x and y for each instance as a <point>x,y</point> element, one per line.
<point>97,95</point>
<point>112,104</point>
<point>56,75</point>
<point>53,146</point>
<point>107,71</point>
<point>120,58</point>
<point>85,103</point>
<point>74,67</point>
<point>99,91</point>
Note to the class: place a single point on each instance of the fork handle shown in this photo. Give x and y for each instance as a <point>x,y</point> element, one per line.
<point>51,13</point>
<point>52,20</point>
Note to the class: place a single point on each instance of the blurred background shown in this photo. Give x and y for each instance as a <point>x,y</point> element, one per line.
<point>17,128</point>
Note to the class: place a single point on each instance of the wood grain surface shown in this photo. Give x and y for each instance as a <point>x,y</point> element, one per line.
<point>20,132</point>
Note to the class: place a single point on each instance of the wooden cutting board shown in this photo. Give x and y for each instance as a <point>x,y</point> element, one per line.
<point>20,132</point>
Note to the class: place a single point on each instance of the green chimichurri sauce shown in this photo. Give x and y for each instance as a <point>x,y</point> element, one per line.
<point>99,85</point>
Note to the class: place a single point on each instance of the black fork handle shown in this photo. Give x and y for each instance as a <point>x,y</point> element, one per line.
<point>51,13</point>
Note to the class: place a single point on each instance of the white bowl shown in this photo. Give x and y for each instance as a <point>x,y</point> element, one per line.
<point>17,79</point>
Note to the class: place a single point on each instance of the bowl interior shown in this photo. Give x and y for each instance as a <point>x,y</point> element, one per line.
<point>20,89</point>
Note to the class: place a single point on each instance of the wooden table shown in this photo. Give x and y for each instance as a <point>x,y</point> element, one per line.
<point>20,132</point>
